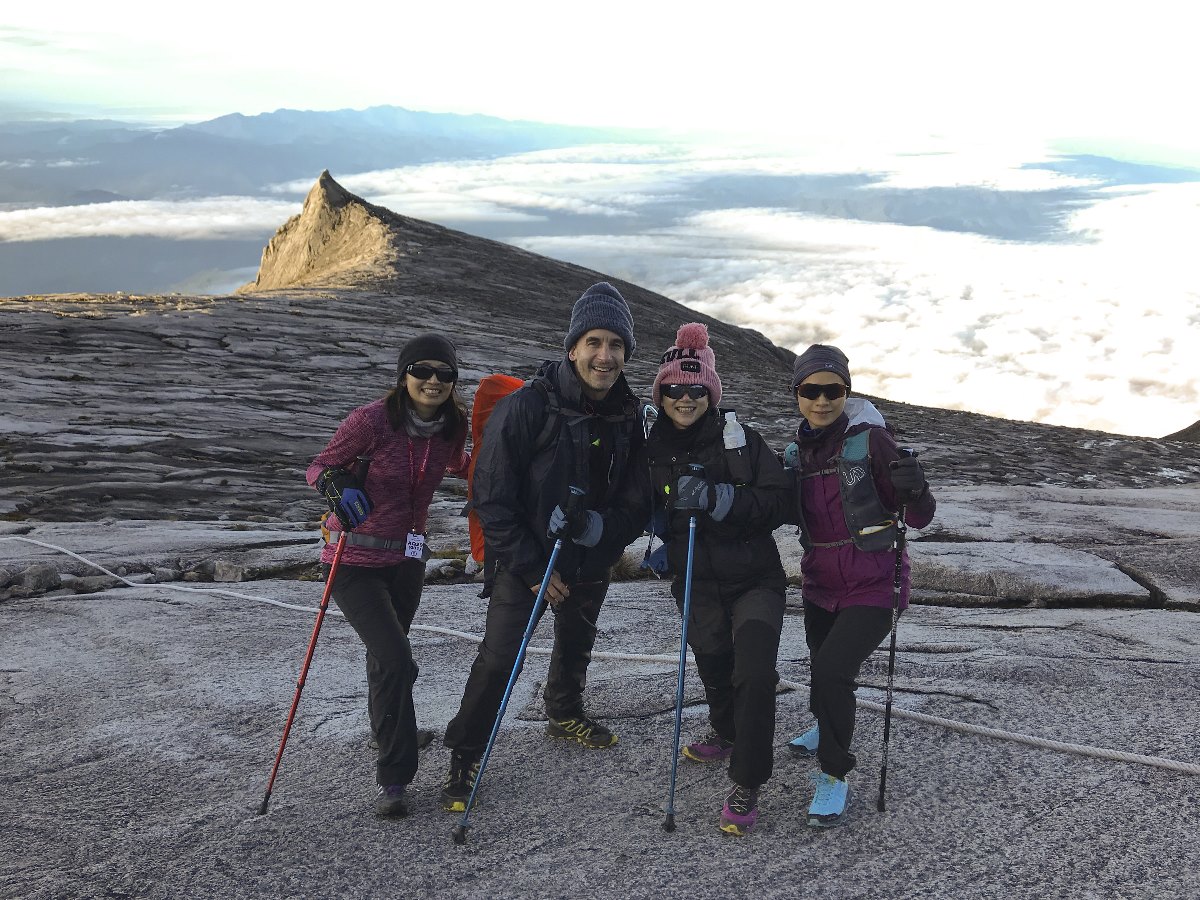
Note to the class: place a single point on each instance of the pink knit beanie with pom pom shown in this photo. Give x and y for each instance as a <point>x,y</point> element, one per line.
<point>689,361</point>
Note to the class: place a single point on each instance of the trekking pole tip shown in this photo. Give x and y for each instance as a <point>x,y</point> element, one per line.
<point>460,834</point>
<point>669,822</point>
<point>262,809</point>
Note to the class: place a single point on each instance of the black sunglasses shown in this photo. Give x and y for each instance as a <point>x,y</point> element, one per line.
<point>424,373</point>
<point>679,391</point>
<point>831,391</point>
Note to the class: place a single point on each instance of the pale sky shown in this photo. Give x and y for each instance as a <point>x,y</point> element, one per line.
<point>1124,71</point>
<point>1088,333</point>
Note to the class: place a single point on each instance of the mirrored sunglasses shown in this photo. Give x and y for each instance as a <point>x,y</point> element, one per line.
<point>830,391</point>
<point>679,391</point>
<point>424,373</point>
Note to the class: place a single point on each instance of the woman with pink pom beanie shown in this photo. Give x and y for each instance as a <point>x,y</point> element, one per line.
<point>739,495</point>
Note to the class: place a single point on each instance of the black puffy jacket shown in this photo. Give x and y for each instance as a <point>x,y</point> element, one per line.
<point>517,483</point>
<point>738,552</point>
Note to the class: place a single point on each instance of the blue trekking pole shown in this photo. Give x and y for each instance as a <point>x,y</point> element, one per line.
<point>460,830</point>
<point>669,821</point>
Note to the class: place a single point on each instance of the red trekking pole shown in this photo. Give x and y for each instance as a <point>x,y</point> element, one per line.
<point>312,645</point>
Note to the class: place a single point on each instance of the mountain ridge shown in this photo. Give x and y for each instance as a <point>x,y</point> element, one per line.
<point>222,385</point>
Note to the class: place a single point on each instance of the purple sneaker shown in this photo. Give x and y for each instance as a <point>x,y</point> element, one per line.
<point>740,811</point>
<point>710,748</point>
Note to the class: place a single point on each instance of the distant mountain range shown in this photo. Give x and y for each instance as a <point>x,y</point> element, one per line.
<point>68,163</point>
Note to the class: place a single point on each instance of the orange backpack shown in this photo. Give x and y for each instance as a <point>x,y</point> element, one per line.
<point>490,391</point>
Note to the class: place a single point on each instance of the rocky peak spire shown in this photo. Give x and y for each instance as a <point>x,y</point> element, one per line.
<point>337,236</point>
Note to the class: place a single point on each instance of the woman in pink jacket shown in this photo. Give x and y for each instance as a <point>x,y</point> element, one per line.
<point>851,479</point>
<point>413,437</point>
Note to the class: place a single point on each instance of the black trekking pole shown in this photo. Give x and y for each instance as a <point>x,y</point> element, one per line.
<point>669,821</point>
<point>901,529</point>
<point>460,830</point>
<point>312,644</point>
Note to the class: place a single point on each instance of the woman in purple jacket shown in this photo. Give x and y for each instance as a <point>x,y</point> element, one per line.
<point>850,479</point>
<point>413,437</point>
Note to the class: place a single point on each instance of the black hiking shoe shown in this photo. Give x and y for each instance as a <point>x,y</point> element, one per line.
<point>460,781</point>
<point>582,730</point>
<point>424,739</point>
<point>390,801</point>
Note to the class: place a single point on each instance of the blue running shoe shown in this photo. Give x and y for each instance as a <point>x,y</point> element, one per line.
<point>830,801</point>
<point>806,744</point>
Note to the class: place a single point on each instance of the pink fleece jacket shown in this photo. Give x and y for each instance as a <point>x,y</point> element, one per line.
<point>401,479</point>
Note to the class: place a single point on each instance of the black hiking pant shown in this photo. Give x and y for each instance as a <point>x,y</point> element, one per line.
<point>735,638</point>
<point>838,644</point>
<point>380,603</point>
<point>509,609</point>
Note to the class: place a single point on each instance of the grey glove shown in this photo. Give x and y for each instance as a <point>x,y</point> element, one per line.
<point>693,494</point>
<point>582,526</point>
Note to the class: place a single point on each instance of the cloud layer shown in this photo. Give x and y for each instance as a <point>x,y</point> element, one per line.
<point>1091,320</point>
<point>211,217</point>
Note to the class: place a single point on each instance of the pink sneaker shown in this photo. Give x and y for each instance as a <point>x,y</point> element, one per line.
<point>740,811</point>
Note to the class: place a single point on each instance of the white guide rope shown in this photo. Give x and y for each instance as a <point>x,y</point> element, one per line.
<point>672,658</point>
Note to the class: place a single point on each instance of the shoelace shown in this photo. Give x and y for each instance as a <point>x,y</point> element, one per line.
<point>740,801</point>
<point>580,725</point>
<point>825,788</point>
<point>462,773</point>
<point>716,740</point>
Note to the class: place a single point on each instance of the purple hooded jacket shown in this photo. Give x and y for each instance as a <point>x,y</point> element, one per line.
<point>836,577</point>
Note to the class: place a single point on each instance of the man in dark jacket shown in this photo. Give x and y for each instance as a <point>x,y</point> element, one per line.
<point>521,491</point>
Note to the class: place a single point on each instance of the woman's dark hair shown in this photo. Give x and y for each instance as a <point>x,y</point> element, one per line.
<point>398,403</point>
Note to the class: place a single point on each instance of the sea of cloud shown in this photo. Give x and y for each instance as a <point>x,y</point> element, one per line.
<point>1098,327</point>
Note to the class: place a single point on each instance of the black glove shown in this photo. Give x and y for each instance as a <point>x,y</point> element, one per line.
<point>908,479</point>
<point>346,498</point>
<point>569,523</point>
<point>692,494</point>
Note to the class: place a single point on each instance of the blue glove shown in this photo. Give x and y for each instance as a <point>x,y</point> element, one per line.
<point>582,526</point>
<point>346,499</point>
<point>908,479</point>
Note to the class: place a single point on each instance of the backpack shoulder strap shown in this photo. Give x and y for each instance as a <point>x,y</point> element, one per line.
<point>856,446</point>
<point>550,427</point>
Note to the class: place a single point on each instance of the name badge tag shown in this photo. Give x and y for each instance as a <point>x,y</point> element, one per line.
<point>414,547</point>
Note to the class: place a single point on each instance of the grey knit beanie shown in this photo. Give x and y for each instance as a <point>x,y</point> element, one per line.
<point>601,306</point>
<point>821,358</point>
